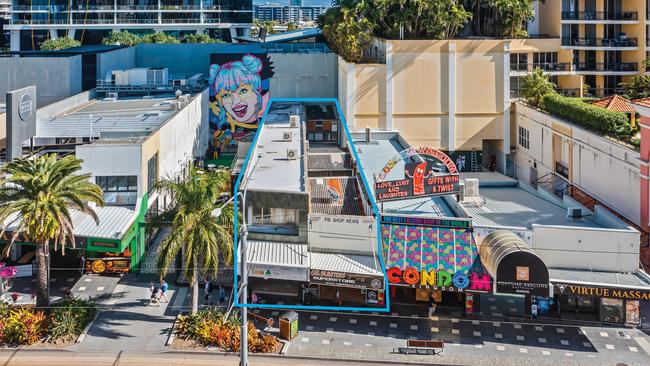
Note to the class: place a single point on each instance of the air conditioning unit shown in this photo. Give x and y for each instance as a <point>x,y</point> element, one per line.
<point>471,187</point>
<point>574,213</point>
<point>461,191</point>
<point>294,121</point>
<point>286,136</point>
<point>292,154</point>
<point>112,95</point>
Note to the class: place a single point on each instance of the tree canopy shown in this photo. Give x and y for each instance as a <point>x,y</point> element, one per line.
<point>61,43</point>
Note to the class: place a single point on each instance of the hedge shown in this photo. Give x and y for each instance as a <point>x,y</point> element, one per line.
<point>608,122</point>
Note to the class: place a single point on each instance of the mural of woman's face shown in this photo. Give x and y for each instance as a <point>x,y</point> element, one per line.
<point>241,104</point>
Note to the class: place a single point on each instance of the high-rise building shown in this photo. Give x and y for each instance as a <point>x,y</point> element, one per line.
<point>287,14</point>
<point>295,3</point>
<point>599,43</point>
<point>5,9</point>
<point>33,21</point>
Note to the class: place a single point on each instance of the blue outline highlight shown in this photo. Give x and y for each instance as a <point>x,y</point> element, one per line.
<point>372,202</point>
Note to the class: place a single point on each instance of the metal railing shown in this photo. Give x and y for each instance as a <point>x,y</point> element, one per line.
<point>606,66</point>
<point>92,21</point>
<point>599,42</point>
<point>296,47</point>
<point>600,15</point>
<point>568,92</point>
<point>545,66</point>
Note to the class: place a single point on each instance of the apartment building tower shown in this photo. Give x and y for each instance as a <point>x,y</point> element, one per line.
<point>599,43</point>
<point>34,21</point>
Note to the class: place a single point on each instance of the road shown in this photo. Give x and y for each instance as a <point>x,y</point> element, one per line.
<point>32,357</point>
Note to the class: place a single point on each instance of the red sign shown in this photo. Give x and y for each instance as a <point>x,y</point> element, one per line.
<point>439,280</point>
<point>420,181</point>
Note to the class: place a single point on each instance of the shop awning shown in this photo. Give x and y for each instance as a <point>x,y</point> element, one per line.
<point>277,253</point>
<point>515,268</point>
<point>621,285</point>
<point>346,270</point>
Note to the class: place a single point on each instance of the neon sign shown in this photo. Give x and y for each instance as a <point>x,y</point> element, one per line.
<point>442,280</point>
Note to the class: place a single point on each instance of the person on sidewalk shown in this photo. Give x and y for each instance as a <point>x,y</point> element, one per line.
<point>221,293</point>
<point>207,289</point>
<point>432,305</point>
<point>338,299</point>
<point>153,299</point>
<point>163,290</point>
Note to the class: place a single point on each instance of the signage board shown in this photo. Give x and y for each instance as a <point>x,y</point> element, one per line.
<point>108,265</point>
<point>426,221</point>
<point>342,232</point>
<point>21,120</point>
<point>602,291</point>
<point>439,280</point>
<point>277,272</point>
<point>422,178</point>
<point>105,244</point>
<point>344,279</point>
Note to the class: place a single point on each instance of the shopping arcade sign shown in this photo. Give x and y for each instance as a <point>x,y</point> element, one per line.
<point>439,280</point>
<point>420,179</point>
<point>602,291</point>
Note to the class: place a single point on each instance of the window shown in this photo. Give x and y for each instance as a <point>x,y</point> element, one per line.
<point>65,140</point>
<point>274,216</point>
<point>519,62</point>
<point>119,190</point>
<point>524,138</point>
<point>152,172</point>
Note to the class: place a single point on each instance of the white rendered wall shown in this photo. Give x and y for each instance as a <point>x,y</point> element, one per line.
<point>110,160</point>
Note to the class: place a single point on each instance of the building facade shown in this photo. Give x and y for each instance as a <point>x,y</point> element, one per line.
<point>598,43</point>
<point>288,14</point>
<point>34,22</point>
<point>5,9</point>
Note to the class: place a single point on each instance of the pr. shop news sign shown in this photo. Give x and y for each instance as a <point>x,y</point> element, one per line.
<point>420,181</point>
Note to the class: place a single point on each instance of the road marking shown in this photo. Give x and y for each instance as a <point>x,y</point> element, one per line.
<point>353,321</point>
<point>501,348</point>
<point>517,326</point>
<point>393,325</point>
<point>100,288</point>
<point>541,340</point>
<point>633,349</point>
<point>592,356</point>
<point>347,343</point>
<point>333,318</point>
<point>559,330</point>
<point>609,347</point>
<point>479,346</point>
<point>313,317</point>
<point>498,335</point>
<point>604,334</point>
<point>643,343</point>
<point>523,350</point>
<point>87,280</point>
<point>569,354</point>
<point>564,342</point>
<point>325,341</point>
<point>368,345</point>
<point>538,328</point>
<point>546,353</point>
<point>520,338</point>
<point>82,288</point>
<point>309,328</point>
<point>476,334</point>
<point>414,327</point>
<point>304,340</point>
<point>373,323</point>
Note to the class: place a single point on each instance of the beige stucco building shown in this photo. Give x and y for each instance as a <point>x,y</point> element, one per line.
<point>449,94</point>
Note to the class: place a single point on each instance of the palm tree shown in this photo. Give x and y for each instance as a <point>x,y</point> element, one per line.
<point>202,239</point>
<point>37,196</point>
<point>535,86</point>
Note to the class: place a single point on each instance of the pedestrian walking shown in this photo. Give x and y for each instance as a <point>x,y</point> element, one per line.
<point>432,305</point>
<point>153,299</point>
<point>338,299</point>
<point>82,264</point>
<point>163,290</point>
<point>222,295</point>
<point>208,289</point>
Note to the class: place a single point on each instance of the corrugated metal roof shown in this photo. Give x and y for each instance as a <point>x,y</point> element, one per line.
<point>516,207</point>
<point>277,253</point>
<point>350,263</point>
<point>113,222</point>
<point>613,279</point>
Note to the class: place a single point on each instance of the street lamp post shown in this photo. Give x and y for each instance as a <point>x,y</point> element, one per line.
<point>243,349</point>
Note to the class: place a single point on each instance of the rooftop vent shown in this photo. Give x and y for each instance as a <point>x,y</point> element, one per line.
<point>574,213</point>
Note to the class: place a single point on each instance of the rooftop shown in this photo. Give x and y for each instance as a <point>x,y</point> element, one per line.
<point>615,103</point>
<point>362,264</point>
<point>614,279</point>
<point>271,170</point>
<point>277,253</point>
<point>374,155</point>
<point>513,206</point>
<point>109,119</point>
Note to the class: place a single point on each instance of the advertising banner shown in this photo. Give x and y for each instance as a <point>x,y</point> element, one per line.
<point>344,279</point>
<point>277,272</point>
<point>602,291</point>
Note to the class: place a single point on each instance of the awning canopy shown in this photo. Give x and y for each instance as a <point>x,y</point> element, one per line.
<point>515,268</point>
<point>632,286</point>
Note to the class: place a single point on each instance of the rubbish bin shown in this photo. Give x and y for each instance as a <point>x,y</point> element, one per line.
<point>289,325</point>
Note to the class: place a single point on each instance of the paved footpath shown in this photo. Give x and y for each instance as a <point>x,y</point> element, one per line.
<point>126,322</point>
<point>370,336</point>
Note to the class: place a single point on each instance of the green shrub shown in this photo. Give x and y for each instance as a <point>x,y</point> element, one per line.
<point>59,44</point>
<point>615,124</point>
<point>69,318</point>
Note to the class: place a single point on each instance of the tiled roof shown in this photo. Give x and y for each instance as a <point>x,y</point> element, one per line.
<point>615,103</point>
<point>643,102</point>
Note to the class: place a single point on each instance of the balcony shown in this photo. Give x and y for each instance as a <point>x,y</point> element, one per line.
<point>587,16</point>
<point>600,42</point>
<point>545,66</point>
<point>607,66</point>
